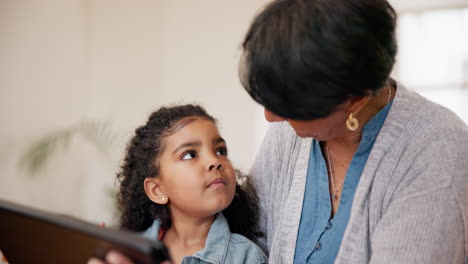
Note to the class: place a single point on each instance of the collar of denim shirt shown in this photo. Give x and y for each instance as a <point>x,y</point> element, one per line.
<point>216,243</point>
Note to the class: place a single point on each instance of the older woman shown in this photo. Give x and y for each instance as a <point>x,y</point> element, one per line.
<point>356,168</point>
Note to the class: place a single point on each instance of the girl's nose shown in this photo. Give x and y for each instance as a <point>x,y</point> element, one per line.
<point>271,117</point>
<point>214,163</point>
<point>218,166</point>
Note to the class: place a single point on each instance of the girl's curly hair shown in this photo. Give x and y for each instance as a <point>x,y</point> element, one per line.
<point>137,211</point>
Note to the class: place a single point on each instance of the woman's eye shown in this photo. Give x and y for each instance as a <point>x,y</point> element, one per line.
<point>222,151</point>
<point>189,155</point>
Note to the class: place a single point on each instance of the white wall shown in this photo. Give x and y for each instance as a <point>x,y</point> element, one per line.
<point>65,61</point>
<point>418,5</point>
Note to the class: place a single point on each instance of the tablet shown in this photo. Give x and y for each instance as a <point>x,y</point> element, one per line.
<point>30,235</point>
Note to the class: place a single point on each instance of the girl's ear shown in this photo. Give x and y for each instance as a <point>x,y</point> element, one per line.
<point>155,191</point>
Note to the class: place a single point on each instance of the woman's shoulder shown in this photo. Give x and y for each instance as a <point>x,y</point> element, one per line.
<point>424,145</point>
<point>281,137</point>
<point>243,250</point>
<point>281,131</point>
<point>419,117</point>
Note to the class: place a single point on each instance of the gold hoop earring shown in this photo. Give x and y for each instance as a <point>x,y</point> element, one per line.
<point>352,123</point>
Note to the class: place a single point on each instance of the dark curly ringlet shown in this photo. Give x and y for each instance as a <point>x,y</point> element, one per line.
<point>303,58</point>
<point>243,212</point>
<point>137,211</point>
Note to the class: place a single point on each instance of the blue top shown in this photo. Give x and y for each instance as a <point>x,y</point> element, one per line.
<point>319,236</point>
<point>221,246</point>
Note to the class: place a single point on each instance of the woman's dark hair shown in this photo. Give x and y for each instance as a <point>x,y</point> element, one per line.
<point>141,161</point>
<point>303,58</point>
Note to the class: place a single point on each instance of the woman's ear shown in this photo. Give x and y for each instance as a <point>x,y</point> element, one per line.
<point>155,190</point>
<point>357,103</point>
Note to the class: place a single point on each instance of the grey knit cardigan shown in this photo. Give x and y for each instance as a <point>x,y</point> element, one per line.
<point>411,203</point>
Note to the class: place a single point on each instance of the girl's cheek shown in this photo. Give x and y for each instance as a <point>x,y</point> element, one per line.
<point>233,174</point>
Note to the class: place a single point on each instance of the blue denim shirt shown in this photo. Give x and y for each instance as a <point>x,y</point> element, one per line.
<point>221,246</point>
<point>319,236</point>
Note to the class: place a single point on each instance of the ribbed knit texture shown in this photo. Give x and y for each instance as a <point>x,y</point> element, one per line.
<point>411,204</point>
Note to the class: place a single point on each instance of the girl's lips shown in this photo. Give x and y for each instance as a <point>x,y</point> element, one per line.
<point>216,182</point>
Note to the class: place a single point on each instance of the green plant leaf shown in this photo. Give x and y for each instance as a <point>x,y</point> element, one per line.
<point>97,133</point>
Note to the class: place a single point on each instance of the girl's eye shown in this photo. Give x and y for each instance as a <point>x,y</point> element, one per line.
<point>222,151</point>
<point>189,155</point>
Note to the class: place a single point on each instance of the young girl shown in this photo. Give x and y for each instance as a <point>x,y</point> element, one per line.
<point>178,186</point>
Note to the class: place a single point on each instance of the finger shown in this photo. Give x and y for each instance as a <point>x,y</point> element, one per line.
<point>115,257</point>
<point>95,261</point>
<point>166,262</point>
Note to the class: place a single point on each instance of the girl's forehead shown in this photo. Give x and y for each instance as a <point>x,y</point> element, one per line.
<point>186,121</point>
<point>196,128</point>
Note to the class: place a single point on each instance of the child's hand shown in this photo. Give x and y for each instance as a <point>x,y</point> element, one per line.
<point>115,257</point>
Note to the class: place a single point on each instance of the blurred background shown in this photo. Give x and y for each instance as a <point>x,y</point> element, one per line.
<point>78,76</point>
